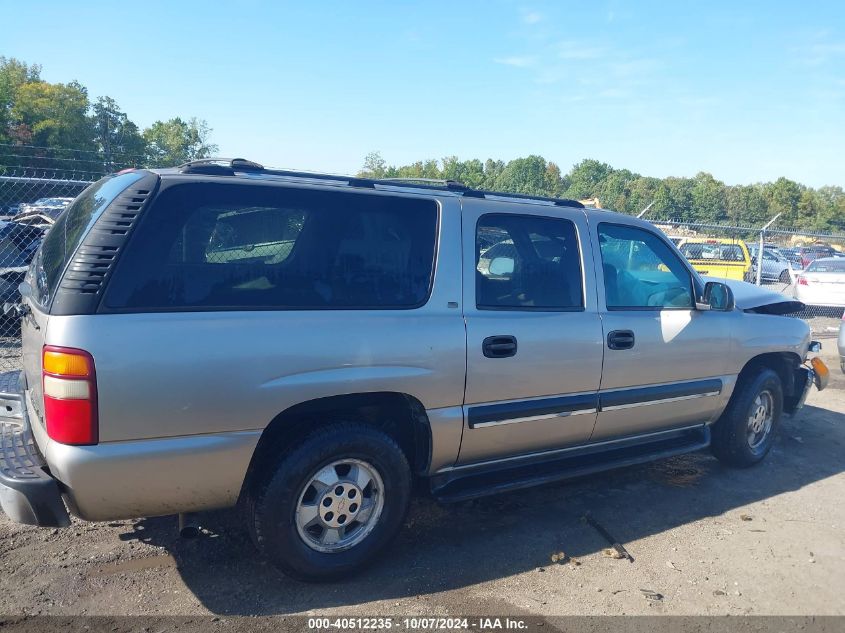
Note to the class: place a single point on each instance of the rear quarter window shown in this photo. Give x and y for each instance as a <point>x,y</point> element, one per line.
<point>71,227</point>
<point>212,246</point>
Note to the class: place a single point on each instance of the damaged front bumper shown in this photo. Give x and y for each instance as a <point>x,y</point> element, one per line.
<point>816,374</point>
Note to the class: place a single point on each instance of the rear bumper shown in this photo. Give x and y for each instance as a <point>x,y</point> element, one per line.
<point>28,493</point>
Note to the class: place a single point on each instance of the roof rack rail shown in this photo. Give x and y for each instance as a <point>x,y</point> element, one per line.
<point>455,185</point>
<point>228,167</point>
<point>558,202</point>
<point>219,166</point>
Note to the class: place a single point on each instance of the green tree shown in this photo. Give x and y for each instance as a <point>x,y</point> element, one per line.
<point>709,202</point>
<point>175,141</point>
<point>469,172</point>
<point>524,175</point>
<point>615,189</point>
<point>492,170</point>
<point>673,199</point>
<point>54,115</point>
<point>374,166</point>
<point>747,205</point>
<point>783,196</point>
<point>116,136</point>
<point>641,193</point>
<point>13,75</point>
<point>585,178</point>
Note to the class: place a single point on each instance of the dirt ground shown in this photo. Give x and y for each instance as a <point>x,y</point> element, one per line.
<point>705,540</point>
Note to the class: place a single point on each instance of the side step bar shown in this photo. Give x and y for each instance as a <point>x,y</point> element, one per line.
<point>470,483</point>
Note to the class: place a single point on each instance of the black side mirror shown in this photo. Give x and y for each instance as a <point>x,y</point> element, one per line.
<point>717,296</point>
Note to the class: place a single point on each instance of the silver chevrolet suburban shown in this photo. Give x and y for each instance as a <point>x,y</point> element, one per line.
<point>315,348</point>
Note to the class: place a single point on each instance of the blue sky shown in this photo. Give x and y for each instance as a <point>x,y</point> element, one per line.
<point>748,91</point>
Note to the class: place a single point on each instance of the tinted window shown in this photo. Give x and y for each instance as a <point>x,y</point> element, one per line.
<point>232,246</point>
<point>527,262</point>
<point>641,271</point>
<point>70,228</point>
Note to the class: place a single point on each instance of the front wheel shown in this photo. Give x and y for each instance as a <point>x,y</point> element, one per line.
<point>744,434</point>
<point>332,504</point>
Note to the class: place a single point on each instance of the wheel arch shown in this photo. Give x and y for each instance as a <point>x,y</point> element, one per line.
<point>784,365</point>
<point>400,415</point>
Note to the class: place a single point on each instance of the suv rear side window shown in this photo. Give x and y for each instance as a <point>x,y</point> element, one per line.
<point>525,262</point>
<point>71,227</point>
<point>231,246</point>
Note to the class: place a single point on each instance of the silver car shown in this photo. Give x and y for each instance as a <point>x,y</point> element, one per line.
<point>313,349</point>
<point>775,267</point>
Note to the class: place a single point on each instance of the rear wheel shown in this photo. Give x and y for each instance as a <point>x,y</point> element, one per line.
<point>331,505</point>
<point>745,432</point>
<point>785,277</point>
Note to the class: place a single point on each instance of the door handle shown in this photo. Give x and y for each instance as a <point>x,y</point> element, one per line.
<point>501,346</point>
<point>620,339</point>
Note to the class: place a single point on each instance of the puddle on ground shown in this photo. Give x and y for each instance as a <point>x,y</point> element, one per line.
<point>134,564</point>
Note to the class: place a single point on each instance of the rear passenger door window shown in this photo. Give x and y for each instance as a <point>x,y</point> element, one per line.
<point>641,272</point>
<point>210,246</point>
<point>527,263</point>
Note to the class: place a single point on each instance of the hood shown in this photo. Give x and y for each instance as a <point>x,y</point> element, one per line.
<point>751,298</point>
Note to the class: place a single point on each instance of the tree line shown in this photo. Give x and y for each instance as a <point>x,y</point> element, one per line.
<point>58,127</point>
<point>702,198</point>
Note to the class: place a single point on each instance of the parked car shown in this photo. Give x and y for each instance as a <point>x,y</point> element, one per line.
<point>822,283</point>
<point>42,213</point>
<point>775,267</point>
<point>723,258</point>
<point>52,205</point>
<point>794,257</point>
<point>841,344</point>
<point>18,244</point>
<point>312,349</point>
<point>813,252</point>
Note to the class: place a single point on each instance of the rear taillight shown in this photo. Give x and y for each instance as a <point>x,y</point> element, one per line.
<point>802,281</point>
<point>70,395</point>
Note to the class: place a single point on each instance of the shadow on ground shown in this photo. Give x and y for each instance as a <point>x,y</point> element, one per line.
<point>449,547</point>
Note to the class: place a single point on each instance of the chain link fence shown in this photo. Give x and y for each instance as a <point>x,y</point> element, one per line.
<point>805,266</point>
<point>30,201</point>
<point>795,263</point>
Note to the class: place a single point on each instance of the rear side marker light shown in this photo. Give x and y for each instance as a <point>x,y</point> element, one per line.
<point>803,282</point>
<point>70,395</point>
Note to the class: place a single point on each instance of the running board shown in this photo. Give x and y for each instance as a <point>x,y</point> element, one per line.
<point>461,484</point>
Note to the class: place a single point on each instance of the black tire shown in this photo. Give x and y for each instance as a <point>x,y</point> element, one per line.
<point>272,502</point>
<point>730,441</point>
<point>785,278</point>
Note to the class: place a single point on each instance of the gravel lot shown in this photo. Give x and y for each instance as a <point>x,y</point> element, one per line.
<point>705,539</point>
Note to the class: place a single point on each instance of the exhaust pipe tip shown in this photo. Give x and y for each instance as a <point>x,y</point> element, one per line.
<point>189,527</point>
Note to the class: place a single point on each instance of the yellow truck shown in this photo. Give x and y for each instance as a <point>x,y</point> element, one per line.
<point>725,258</point>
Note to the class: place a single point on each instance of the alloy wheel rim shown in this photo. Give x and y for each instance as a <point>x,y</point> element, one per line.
<point>339,505</point>
<point>760,419</point>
